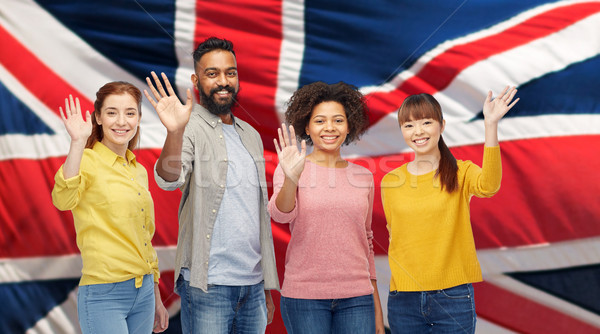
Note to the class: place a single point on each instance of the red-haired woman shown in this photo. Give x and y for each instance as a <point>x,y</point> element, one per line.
<point>106,189</point>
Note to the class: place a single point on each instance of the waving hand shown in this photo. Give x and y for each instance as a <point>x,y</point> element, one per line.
<point>171,112</point>
<point>291,159</point>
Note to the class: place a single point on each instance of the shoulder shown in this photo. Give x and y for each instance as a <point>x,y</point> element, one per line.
<point>360,170</point>
<point>394,175</point>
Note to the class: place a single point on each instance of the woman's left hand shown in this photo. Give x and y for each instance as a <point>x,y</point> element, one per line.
<point>161,315</point>
<point>494,110</point>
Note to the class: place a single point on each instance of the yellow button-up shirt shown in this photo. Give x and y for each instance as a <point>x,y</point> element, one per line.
<point>113,214</point>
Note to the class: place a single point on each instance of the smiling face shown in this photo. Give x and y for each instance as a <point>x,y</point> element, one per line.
<point>119,118</point>
<point>328,126</point>
<point>423,135</point>
<point>216,78</point>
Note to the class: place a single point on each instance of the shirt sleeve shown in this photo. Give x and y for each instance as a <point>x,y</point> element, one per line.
<point>485,181</point>
<point>187,159</point>
<point>369,230</point>
<point>276,214</point>
<point>67,192</point>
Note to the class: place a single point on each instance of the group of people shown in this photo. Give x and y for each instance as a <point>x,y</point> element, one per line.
<point>225,262</point>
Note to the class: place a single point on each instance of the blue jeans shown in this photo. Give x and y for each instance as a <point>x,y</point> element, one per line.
<point>116,308</point>
<point>439,311</point>
<point>321,316</point>
<point>223,309</point>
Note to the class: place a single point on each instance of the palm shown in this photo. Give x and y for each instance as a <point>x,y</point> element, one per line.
<point>77,128</point>
<point>172,113</point>
<point>291,159</point>
<point>494,110</point>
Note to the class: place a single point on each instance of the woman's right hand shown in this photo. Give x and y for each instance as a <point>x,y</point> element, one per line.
<point>79,129</point>
<point>291,159</point>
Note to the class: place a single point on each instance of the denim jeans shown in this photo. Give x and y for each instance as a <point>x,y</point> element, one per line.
<point>116,308</point>
<point>354,315</point>
<point>449,310</point>
<point>223,309</point>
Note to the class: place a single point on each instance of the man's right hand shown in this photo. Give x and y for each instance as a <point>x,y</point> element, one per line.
<point>173,115</point>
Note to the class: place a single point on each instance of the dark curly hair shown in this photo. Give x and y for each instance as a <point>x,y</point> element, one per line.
<point>305,99</point>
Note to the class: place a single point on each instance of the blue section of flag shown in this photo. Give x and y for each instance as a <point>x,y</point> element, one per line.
<point>137,35</point>
<point>578,285</point>
<point>24,304</point>
<point>573,90</point>
<point>368,42</point>
<point>17,118</point>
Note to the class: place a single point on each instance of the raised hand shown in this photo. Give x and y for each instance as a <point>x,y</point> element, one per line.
<point>291,159</point>
<point>79,129</point>
<point>494,110</point>
<point>173,115</point>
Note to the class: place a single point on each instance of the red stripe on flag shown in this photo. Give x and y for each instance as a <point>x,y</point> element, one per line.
<point>255,29</point>
<point>439,72</point>
<point>34,75</point>
<point>523,315</point>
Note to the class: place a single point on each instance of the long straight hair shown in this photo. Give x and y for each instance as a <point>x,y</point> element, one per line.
<point>417,107</point>
<point>114,88</point>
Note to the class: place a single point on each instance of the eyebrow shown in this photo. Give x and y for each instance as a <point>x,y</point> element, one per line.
<point>216,69</point>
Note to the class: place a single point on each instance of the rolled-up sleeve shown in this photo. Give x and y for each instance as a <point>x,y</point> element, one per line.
<point>67,192</point>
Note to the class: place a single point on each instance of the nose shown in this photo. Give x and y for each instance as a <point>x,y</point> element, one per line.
<point>121,119</point>
<point>418,129</point>
<point>222,80</point>
<point>329,125</point>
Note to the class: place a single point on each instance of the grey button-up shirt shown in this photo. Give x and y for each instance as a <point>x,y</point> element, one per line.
<point>202,181</point>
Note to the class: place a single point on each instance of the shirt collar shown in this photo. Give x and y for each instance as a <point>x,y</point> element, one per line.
<point>213,120</point>
<point>108,155</point>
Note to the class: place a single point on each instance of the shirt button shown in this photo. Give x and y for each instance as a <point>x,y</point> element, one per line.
<point>145,244</point>
<point>139,194</point>
<point>214,210</point>
<point>213,123</point>
<point>221,136</point>
<point>206,263</point>
<point>208,236</point>
<point>225,159</point>
<point>144,226</point>
<point>142,210</point>
<point>222,186</point>
<point>219,121</point>
<point>124,164</point>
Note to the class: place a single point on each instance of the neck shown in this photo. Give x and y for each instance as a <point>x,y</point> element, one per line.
<point>423,164</point>
<point>118,149</point>
<point>327,159</point>
<point>227,119</point>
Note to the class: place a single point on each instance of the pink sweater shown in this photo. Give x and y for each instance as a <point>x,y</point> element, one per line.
<point>330,254</point>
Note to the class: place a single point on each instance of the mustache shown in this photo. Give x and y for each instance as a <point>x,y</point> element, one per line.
<point>220,88</point>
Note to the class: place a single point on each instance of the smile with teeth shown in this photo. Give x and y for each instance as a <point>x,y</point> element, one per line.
<point>121,132</point>
<point>421,141</point>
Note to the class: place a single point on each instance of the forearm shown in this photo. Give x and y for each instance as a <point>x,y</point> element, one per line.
<point>491,134</point>
<point>168,166</point>
<point>286,198</point>
<point>73,161</point>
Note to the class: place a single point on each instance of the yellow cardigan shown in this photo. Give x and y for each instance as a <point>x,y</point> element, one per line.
<point>431,242</point>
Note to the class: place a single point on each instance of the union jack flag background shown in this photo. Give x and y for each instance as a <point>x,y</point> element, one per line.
<point>538,239</point>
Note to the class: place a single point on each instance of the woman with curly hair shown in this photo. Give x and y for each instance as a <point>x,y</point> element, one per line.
<point>330,283</point>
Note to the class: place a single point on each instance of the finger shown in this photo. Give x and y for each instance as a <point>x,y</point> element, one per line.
<point>159,85</point>
<point>293,137</point>
<point>188,102</point>
<point>78,106</point>
<point>151,86</point>
<point>286,136</point>
<point>303,148</point>
<point>488,98</point>
<point>156,86</point>
<point>167,84</point>
<point>88,116</point>
<point>513,104</point>
<point>62,116</point>
<point>152,102</point>
<point>503,94</point>
<point>277,149</point>
<point>71,104</point>
<point>511,94</point>
<point>280,133</point>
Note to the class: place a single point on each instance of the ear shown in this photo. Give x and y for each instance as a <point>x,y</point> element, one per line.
<point>97,118</point>
<point>194,79</point>
<point>443,126</point>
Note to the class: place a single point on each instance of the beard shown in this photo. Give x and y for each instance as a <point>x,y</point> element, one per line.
<point>210,101</point>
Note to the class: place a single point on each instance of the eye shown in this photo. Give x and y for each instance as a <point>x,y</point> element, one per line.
<point>406,126</point>
<point>131,113</point>
<point>211,74</point>
<point>339,120</point>
<point>232,73</point>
